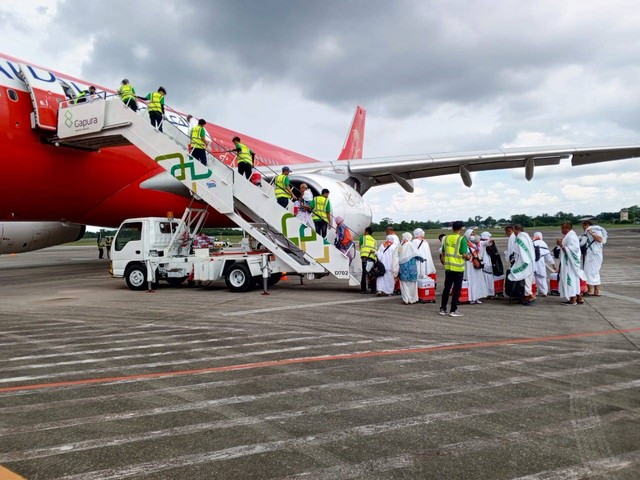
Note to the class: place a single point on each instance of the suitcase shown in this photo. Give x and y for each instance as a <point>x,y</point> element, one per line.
<point>464,292</point>
<point>426,290</point>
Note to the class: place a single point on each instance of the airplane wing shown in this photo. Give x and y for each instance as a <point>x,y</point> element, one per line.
<point>369,172</point>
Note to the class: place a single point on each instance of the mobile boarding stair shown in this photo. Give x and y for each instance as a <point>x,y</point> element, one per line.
<point>108,122</point>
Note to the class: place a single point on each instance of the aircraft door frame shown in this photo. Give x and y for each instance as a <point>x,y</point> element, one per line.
<point>46,93</point>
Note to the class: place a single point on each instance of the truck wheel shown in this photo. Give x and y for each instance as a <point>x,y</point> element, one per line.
<point>136,277</point>
<point>238,278</point>
<point>175,281</point>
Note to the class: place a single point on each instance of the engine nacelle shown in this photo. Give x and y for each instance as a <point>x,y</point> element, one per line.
<point>20,237</point>
<point>345,201</point>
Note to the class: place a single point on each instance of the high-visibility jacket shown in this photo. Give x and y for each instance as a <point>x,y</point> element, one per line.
<point>320,210</point>
<point>196,137</point>
<point>281,189</point>
<point>368,246</point>
<point>453,260</point>
<point>245,154</point>
<point>81,94</point>
<point>155,102</point>
<point>127,92</point>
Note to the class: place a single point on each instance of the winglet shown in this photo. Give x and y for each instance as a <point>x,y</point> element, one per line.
<point>355,138</point>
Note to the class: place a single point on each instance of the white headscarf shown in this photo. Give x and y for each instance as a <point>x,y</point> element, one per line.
<point>407,249</point>
<point>485,236</point>
<point>418,232</point>
<point>537,236</point>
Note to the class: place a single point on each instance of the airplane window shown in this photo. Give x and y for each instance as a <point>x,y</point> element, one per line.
<point>128,233</point>
<point>13,96</point>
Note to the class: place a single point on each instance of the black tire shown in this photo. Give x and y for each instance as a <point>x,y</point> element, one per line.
<point>176,282</point>
<point>136,277</point>
<point>238,278</point>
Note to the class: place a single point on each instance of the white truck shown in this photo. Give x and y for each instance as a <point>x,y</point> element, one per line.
<point>147,250</point>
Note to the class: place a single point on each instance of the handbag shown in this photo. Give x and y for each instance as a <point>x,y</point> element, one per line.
<point>476,263</point>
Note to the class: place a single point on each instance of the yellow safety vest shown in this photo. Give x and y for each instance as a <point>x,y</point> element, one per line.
<point>126,93</point>
<point>320,210</point>
<point>281,190</point>
<point>245,154</point>
<point>154,102</point>
<point>368,247</point>
<point>196,137</point>
<point>452,259</point>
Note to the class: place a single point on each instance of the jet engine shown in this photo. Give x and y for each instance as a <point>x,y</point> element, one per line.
<point>20,237</point>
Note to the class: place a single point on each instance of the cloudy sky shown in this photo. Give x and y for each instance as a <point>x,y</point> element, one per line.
<point>434,76</point>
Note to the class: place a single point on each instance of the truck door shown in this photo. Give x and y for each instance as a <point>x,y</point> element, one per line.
<point>128,243</point>
<point>46,91</point>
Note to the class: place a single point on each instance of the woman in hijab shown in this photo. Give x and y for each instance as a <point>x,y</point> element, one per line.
<point>344,240</point>
<point>408,258</point>
<point>387,255</point>
<point>473,275</point>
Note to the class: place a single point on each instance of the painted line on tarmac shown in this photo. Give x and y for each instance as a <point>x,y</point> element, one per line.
<point>307,441</point>
<point>322,358</point>
<point>592,468</point>
<point>620,297</point>
<point>305,305</point>
<point>453,450</point>
<point>373,402</point>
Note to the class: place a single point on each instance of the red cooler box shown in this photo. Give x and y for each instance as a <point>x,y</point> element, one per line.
<point>464,293</point>
<point>534,287</point>
<point>583,286</point>
<point>498,286</point>
<point>426,290</point>
<point>554,287</point>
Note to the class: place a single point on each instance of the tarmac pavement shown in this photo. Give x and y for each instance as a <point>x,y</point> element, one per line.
<point>314,381</point>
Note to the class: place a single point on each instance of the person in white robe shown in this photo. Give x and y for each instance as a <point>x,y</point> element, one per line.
<point>392,232</point>
<point>523,262</point>
<point>485,259</point>
<point>569,271</point>
<point>511,241</point>
<point>387,255</point>
<point>422,246</point>
<point>474,276</point>
<point>304,210</point>
<point>596,237</point>
<point>540,267</point>
<point>408,261</point>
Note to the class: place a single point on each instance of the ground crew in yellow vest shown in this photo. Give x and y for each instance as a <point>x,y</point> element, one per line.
<point>84,95</point>
<point>156,107</point>
<point>128,95</point>
<point>321,208</point>
<point>283,188</point>
<point>455,250</point>
<point>244,157</point>
<point>199,142</point>
<point>368,249</point>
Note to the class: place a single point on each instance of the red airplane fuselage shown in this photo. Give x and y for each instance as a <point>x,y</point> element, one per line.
<point>44,182</point>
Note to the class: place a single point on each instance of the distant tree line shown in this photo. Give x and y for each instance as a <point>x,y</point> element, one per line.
<point>542,220</point>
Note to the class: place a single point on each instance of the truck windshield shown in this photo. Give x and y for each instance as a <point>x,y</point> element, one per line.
<point>128,233</point>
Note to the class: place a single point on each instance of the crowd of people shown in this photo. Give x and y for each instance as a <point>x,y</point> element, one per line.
<point>473,262</point>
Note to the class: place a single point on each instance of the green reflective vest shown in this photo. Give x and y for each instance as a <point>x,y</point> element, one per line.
<point>155,102</point>
<point>368,247</point>
<point>245,154</point>
<point>196,137</point>
<point>281,189</point>
<point>320,210</point>
<point>452,259</point>
<point>127,92</point>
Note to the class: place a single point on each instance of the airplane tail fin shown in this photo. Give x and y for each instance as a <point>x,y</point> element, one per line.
<point>355,138</point>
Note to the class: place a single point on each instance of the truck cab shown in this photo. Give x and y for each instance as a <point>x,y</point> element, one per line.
<point>147,250</point>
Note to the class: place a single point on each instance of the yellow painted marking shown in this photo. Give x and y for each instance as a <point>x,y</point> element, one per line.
<point>6,474</point>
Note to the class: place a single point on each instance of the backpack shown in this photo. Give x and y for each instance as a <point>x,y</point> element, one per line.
<point>536,249</point>
<point>377,270</point>
<point>513,289</point>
